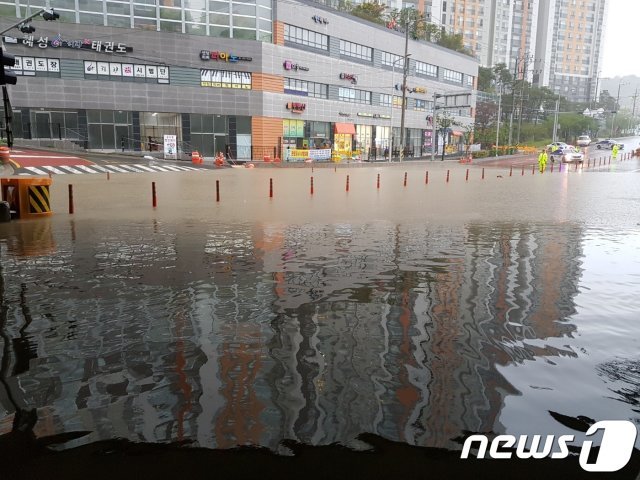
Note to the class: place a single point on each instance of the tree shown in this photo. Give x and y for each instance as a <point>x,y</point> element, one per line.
<point>485,123</point>
<point>371,11</point>
<point>486,78</point>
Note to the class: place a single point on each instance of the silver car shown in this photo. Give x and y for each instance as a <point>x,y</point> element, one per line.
<point>567,154</point>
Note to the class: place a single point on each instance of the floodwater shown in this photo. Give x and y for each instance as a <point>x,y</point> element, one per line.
<point>415,312</point>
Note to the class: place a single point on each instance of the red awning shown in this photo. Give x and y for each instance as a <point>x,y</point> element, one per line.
<point>347,128</point>
<point>457,133</point>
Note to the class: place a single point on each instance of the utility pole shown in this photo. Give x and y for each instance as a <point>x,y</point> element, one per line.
<point>613,120</point>
<point>513,99</point>
<point>555,120</point>
<point>499,113</point>
<point>523,86</point>
<point>635,96</point>
<point>434,117</point>
<point>404,86</point>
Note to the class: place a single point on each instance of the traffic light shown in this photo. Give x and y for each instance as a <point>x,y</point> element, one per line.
<point>27,29</point>
<point>50,15</point>
<point>7,77</point>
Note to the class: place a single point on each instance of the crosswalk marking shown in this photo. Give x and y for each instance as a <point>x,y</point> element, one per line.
<point>69,168</point>
<point>37,171</point>
<point>55,170</point>
<point>107,168</point>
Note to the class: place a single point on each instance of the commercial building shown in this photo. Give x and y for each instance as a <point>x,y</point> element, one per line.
<point>287,79</point>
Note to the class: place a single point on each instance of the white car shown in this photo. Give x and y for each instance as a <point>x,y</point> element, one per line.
<point>584,141</point>
<point>567,154</point>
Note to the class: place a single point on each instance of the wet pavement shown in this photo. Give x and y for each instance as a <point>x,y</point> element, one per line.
<point>417,313</point>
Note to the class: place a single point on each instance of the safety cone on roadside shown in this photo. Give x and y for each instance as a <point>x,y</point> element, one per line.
<point>195,157</point>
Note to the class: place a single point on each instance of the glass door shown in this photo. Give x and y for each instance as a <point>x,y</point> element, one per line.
<point>43,125</point>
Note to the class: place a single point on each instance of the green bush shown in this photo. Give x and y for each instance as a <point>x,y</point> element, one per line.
<point>480,154</point>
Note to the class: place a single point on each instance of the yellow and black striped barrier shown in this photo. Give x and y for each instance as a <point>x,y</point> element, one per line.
<point>27,197</point>
<point>39,199</point>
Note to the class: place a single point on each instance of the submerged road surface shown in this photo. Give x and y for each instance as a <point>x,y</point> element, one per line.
<point>411,302</point>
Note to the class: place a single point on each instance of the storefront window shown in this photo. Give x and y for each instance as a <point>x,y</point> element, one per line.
<point>109,130</point>
<point>154,126</point>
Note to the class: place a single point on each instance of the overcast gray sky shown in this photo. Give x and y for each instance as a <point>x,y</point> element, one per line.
<point>621,39</point>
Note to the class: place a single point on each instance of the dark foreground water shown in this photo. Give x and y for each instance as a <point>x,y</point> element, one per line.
<point>230,332</point>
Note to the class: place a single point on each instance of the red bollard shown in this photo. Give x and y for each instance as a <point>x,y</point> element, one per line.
<point>71,199</point>
<point>511,170</point>
<point>347,188</point>
<point>483,174</point>
<point>522,169</point>
<point>108,176</point>
<point>311,185</point>
<point>466,178</point>
<point>154,200</point>
<point>447,176</point>
<point>378,182</point>
<point>270,187</point>
<point>426,178</point>
<point>533,169</point>
<point>609,160</point>
<point>405,179</point>
<point>217,190</point>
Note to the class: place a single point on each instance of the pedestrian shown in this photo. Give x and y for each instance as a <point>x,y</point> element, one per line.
<point>386,152</point>
<point>122,143</point>
<point>542,160</point>
<point>614,151</point>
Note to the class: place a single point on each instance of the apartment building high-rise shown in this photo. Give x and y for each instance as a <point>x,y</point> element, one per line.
<point>551,43</point>
<point>569,46</point>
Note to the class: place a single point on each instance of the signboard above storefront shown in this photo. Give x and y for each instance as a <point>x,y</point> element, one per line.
<point>296,107</point>
<point>373,115</point>
<point>222,56</point>
<point>349,76</point>
<point>114,71</point>
<point>225,79</point>
<point>84,44</point>
<point>289,65</point>
<point>34,65</point>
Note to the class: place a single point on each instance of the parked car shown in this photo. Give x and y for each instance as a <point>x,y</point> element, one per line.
<point>608,143</point>
<point>584,141</point>
<point>567,154</point>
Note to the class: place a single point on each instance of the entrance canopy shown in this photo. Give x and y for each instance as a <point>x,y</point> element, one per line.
<point>345,128</point>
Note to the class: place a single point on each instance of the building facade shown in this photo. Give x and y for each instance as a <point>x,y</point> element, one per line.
<point>551,43</point>
<point>569,46</point>
<point>323,81</point>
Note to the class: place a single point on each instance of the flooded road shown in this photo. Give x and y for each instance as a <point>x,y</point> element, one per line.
<point>417,313</point>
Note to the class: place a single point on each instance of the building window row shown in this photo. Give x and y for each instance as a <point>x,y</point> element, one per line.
<point>251,20</point>
<point>451,75</point>
<point>356,50</point>
<point>352,95</point>
<point>303,87</point>
<point>391,59</point>
<point>426,69</point>
<point>306,37</point>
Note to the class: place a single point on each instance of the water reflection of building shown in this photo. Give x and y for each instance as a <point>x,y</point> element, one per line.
<point>318,332</point>
<point>442,310</point>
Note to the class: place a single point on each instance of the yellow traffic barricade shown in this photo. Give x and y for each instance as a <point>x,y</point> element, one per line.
<point>27,197</point>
